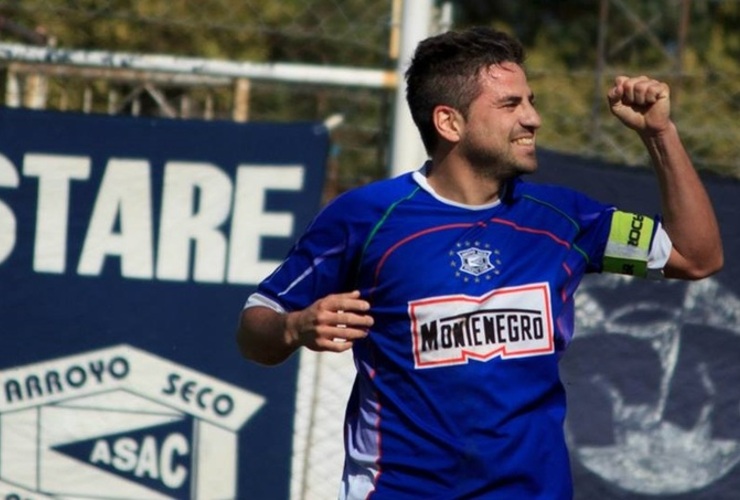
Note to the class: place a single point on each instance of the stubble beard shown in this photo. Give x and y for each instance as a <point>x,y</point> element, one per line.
<point>496,165</point>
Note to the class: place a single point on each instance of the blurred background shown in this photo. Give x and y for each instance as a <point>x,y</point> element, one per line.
<point>575,48</point>
<point>261,60</point>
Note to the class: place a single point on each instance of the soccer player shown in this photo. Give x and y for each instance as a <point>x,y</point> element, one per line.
<point>453,285</point>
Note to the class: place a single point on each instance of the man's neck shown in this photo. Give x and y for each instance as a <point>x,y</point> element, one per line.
<point>458,182</point>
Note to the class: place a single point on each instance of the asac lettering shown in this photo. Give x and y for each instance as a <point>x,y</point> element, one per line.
<point>146,459</point>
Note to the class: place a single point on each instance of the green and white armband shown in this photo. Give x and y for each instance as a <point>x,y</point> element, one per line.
<point>628,246</point>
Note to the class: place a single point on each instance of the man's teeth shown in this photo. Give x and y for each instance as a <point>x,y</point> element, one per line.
<point>524,141</point>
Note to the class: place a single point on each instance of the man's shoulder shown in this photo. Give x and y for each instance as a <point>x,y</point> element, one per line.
<point>378,193</point>
<point>525,187</point>
<point>558,198</point>
<point>558,195</point>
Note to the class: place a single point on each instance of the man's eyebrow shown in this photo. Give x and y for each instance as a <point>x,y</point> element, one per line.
<point>515,99</point>
<point>510,99</point>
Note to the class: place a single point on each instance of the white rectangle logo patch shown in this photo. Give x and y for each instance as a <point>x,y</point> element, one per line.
<point>509,322</point>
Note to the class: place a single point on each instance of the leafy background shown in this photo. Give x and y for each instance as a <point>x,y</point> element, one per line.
<point>692,44</point>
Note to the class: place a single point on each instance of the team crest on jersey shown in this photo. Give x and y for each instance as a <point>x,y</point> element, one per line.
<point>475,263</point>
<point>511,322</point>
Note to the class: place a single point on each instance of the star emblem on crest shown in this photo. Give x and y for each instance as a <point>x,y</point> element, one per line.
<point>474,261</point>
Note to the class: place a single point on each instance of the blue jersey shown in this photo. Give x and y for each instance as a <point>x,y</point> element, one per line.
<point>457,393</point>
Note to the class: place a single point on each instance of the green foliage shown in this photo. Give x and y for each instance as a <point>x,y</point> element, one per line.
<point>701,63</point>
<point>561,36</point>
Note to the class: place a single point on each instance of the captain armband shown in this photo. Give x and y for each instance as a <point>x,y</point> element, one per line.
<point>628,247</point>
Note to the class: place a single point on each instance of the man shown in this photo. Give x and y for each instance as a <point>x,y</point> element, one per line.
<point>453,285</point>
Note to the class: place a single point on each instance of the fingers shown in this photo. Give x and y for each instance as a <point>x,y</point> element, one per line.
<point>637,91</point>
<point>349,322</point>
<point>343,310</point>
<point>641,103</point>
<point>337,338</point>
<point>349,301</point>
<point>336,321</point>
<point>616,92</point>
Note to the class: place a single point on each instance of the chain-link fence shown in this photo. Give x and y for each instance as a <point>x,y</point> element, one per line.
<point>320,33</point>
<point>631,38</point>
<point>363,34</point>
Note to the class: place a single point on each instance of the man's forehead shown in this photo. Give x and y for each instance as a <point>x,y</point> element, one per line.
<point>507,77</point>
<point>503,70</point>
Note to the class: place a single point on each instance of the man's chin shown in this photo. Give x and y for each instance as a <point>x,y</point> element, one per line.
<point>526,168</point>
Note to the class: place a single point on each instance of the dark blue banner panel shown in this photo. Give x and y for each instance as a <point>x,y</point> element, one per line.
<point>127,249</point>
<point>653,373</point>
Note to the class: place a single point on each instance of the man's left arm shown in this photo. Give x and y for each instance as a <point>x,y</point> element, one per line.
<point>643,104</point>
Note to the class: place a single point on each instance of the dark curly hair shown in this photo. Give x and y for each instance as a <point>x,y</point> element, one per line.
<point>445,69</point>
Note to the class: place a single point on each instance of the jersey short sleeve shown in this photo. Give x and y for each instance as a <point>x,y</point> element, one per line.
<point>318,264</point>
<point>325,259</point>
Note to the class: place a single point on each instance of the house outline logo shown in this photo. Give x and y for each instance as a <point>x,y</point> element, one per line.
<point>138,425</point>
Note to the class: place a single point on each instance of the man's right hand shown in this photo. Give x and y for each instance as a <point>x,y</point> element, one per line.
<point>332,323</point>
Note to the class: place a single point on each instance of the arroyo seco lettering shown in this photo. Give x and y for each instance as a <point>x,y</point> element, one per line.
<point>77,376</point>
<point>203,397</point>
<point>198,199</point>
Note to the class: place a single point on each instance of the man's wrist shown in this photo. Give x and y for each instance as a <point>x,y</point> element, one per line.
<point>657,134</point>
<point>291,331</point>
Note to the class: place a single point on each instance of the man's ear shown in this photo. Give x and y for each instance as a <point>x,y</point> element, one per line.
<point>448,122</point>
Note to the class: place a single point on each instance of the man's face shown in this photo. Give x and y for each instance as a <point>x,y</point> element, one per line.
<point>499,132</point>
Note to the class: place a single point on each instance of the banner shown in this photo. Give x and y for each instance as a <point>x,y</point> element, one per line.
<point>653,373</point>
<point>127,249</point>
